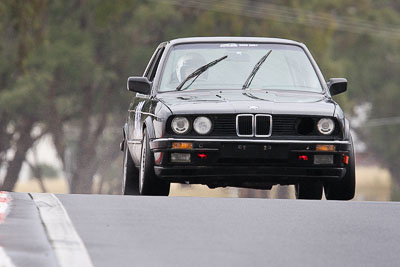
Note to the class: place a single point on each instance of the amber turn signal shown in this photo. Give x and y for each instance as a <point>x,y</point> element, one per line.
<point>180,145</point>
<point>329,148</point>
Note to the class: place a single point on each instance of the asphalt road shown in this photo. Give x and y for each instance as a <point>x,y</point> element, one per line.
<point>189,231</point>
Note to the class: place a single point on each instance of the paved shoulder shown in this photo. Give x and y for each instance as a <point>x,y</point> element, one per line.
<point>66,243</point>
<point>22,235</point>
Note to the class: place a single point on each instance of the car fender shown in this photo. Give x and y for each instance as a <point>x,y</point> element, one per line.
<point>125,131</point>
<point>347,134</point>
<point>148,124</point>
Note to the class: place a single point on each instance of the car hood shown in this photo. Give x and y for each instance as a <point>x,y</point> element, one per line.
<point>248,101</point>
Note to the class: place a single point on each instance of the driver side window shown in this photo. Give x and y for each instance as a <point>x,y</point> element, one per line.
<point>151,72</point>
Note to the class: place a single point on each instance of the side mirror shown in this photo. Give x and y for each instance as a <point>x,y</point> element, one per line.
<point>139,84</point>
<point>337,85</point>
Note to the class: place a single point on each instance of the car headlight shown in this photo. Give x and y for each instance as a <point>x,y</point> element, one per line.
<point>180,125</point>
<point>326,126</point>
<point>202,125</point>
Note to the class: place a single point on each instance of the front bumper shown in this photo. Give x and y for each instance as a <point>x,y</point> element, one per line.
<point>238,161</point>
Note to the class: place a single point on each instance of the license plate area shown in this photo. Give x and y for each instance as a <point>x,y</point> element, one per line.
<point>323,159</point>
<point>255,151</point>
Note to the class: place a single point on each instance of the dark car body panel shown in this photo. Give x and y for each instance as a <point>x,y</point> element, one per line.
<point>277,165</point>
<point>236,101</point>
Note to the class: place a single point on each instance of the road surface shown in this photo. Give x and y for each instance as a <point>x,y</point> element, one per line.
<point>99,230</point>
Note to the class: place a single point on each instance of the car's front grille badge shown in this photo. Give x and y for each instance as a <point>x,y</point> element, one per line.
<point>249,125</point>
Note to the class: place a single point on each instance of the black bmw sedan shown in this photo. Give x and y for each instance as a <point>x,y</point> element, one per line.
<point>236,111</point>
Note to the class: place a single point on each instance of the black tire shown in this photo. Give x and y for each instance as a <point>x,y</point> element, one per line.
<point>130,174</point>
<point>309,190</point>
<point>149,183</point>
<point>345,188</point>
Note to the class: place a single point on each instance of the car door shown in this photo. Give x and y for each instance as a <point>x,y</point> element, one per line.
<point>140,108</point>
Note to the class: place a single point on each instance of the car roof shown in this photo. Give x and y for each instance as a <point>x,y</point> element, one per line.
<point>232,39</point>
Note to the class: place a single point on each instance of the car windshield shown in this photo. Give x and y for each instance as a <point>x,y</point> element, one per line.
<point>286,68</point>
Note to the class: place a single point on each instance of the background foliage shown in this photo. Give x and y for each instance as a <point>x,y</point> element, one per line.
<point>64,64</point>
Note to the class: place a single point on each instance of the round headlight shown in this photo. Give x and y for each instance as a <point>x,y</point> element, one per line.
<point>202,125</point>
<point>326,126</point>
<point>180,125</point>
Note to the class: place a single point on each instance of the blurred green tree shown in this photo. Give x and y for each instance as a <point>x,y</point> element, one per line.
<point>21,90</point>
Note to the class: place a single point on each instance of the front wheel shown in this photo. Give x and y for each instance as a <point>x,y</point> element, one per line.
<point>309,190</point>
<point>149,183</point>
<point>130,182</point>
<point>346,187</point>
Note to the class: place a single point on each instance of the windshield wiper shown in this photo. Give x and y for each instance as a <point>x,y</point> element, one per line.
<point>254,71</point>
<point>195,74</point>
